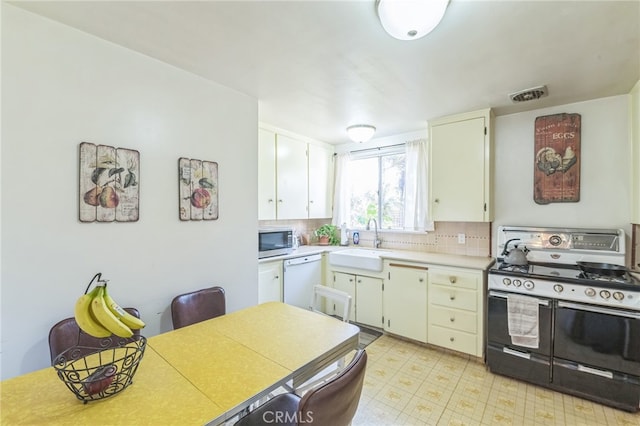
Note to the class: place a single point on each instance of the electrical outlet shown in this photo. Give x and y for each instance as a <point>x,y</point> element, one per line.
<point>462,238</point>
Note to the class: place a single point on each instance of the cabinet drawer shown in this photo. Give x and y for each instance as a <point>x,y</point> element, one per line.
<point>453,297</point>
<point>455,278</point>
<point>453,318</point>
<point>453,339</point>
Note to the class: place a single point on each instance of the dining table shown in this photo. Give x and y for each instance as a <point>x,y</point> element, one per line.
<point>205,373</point>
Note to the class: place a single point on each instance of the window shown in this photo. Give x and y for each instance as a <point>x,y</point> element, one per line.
<point>377,187</point>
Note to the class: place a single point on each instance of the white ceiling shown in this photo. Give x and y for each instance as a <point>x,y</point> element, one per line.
<point>317,67</point>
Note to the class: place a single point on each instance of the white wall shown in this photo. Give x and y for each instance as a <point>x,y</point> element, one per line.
<point>604,173</point>
<point>61,87</point>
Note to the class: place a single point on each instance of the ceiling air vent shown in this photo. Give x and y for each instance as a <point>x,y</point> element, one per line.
<point>529,94</point>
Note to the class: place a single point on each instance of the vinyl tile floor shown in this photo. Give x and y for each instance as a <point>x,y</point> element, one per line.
<point>412,384</point>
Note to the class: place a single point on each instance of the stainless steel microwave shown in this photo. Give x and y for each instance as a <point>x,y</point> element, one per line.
<point>274,241</point>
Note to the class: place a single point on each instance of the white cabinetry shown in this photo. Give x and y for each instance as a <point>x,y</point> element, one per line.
<point>634,123</point>
<point>291,178</point>
<point>455,310</point>
<point>320,182</point>
<point>405,299</point>
<point>461,167</point>
<point>266,175</point>
<point>295,177</point>
<point>369,301</point>
<point>270,282</point>
<point>347,283</point>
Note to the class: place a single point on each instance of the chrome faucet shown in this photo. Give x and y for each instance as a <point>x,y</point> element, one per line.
<point>376,241</point>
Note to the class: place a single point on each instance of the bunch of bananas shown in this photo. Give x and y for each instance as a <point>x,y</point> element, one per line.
<point>100,316</point>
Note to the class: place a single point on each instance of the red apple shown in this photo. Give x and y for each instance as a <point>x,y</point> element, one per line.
<point>99,380</point>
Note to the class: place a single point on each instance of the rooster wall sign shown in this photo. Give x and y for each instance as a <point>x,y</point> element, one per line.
<point>557,159</point>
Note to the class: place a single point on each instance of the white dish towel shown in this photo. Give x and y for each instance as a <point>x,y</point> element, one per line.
<point>522,318</point>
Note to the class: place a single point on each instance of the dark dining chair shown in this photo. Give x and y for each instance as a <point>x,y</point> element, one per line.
<point>196,306</point>
<point>66,334</point>
<point>333,403</point>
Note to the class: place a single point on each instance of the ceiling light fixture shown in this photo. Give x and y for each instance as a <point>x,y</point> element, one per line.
<point>360,132</point>
<point>410,19</point>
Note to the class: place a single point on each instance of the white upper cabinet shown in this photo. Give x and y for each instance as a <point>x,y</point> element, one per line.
<point>461,167</point>
<point>320,182</point>
<point>291,178</point>
<point>295,177</point>
<point>634,123</point>
<point>266,175</point>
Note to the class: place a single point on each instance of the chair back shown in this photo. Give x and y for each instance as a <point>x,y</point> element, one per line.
<point>343,299</point>
<point>335,402</point>
<point>200,305</point>
<point>66,334</point>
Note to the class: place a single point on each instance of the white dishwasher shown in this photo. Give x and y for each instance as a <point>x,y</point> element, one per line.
<point>300,275</point>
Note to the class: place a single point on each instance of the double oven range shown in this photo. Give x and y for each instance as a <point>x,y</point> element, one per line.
<point>584,337</point>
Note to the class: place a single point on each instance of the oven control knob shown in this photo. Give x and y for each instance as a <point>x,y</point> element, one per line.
<point>605,294</point>
<point>506,281</point>
<point>558,288</point>
<point>528,285</point>
<point>517,283</point>
<point>590,292</point>
<point>618,295</point>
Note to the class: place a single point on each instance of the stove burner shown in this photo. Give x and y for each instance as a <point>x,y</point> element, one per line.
<point>626,278</point>
<point>523,269</point>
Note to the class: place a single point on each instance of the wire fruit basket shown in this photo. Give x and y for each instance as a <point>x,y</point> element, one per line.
<point>94,373</point>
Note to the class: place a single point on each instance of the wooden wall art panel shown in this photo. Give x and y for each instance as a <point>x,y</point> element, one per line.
<point>198,188</point>
<point>557,159</point>
<point>109,189</point>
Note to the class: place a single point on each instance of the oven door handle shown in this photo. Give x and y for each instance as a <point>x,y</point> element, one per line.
<point>599,310</point>
<point>595,371</point>
<point>542,302</point>
<point>519,354</point>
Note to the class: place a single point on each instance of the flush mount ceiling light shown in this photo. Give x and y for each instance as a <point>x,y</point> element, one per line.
<point>360,132</point>
<point>410,19</point>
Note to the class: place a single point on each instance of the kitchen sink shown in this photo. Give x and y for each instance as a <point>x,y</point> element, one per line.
<point>358,258</point>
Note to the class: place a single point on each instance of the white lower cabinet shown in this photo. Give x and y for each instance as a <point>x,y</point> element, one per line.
<point>455,309</point>
<point>405,299</point>
<point>270,282</point>
<point>347,283</point>
<point>366,297</point>
<point>369,301</point>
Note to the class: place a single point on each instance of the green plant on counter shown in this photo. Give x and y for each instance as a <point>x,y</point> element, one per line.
<point>329,231</point>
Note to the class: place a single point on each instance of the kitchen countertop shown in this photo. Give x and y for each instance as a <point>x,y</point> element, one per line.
<point>456,260</point>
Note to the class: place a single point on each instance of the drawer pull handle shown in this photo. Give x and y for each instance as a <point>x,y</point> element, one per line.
<point>452,319</point>
<point>452,339</point>
<point>452,298</point>
<point>421,280</point>
<point>452,280</point>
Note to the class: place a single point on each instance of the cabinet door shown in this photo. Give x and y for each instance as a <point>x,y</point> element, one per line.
<point>266,175</point>
<point>634,108</point>
<point>320,182</point>
<point>270,282</point>
<point>405,301</point>
<point>291,182</point>
<point>347,283</point>
<point>369,301</point>
<point>459,175</point>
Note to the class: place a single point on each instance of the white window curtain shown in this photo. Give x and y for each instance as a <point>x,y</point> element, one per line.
<point>416,209</point>
<point>342,192</point>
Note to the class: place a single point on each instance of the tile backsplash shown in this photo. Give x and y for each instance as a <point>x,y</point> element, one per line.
<point>444,239</point>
